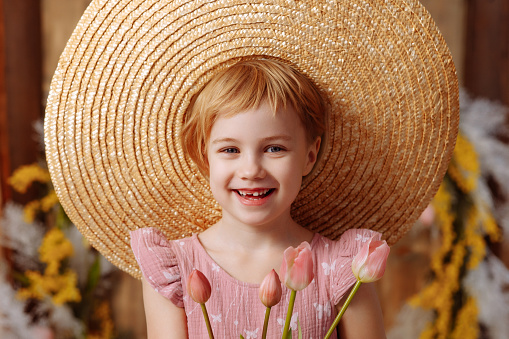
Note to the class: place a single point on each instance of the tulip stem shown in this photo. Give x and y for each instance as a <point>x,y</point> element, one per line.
<point>343,309</point>
<point>266,323</point>
<point>207,321</point>
<point>289,314</point>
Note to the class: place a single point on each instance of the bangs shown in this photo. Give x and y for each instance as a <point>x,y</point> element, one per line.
<point>244,86</point>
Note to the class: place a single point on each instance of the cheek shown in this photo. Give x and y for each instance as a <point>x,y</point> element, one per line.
<point>212,172</point>
<point>291,177</point>
<point>217,172</point>
<point>214,183</point>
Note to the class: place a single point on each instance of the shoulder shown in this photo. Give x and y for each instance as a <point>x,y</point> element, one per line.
<point>333,260</point>
<point>153,240</point>
<point>347,245</point>
<point>353,239</point>
<point>160,261</point>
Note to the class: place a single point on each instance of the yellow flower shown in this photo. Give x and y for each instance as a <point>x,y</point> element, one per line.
<point>24,176</point>
<point>55,246</point>
<point>439,294</point>
<point>30,211</point>
<point>473,239</point>
<point>490,226</point>
<point>467,325</point>
<point>49,201</point>
<point>61,288</point>
<point>36,289</point>
<point>428,332</point>
<point>464,167</point>
<point>67,290</point>
<point>45,204</point>
<point>478,222</point>
<point>103,315</point>
<point>425,298</point>
<point>442,203</point>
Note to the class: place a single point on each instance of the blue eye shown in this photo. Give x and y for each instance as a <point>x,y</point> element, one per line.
<point>230,150</point>
<point>274,149</point>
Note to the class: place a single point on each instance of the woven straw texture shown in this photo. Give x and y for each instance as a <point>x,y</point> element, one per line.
<point>131,67</point>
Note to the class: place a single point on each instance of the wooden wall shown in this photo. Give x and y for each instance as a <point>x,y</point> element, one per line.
<point>487,49</point>
<point>450,17</point>
<point>59,17</point>
<point>4,141</point>
<point>21,91</point>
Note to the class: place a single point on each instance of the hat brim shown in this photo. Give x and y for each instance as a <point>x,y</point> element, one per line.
<point>131,67</point>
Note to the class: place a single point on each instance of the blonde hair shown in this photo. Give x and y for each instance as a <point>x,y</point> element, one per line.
<point>245,86</point>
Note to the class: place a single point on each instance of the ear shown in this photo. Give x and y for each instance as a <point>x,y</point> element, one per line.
<point>312,156</point>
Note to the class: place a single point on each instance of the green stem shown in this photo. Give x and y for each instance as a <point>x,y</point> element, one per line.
<point>343,309</point>
<point>289,314</point>
<point>207,321</point>
<point>266,323</point>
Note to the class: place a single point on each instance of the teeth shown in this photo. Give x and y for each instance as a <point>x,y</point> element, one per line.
<point>254,194</point>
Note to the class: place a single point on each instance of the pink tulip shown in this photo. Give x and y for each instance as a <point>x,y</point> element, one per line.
<point>369,264</point>
<point>270,289</point>
<point>297,267</point>
<point>198,287</point>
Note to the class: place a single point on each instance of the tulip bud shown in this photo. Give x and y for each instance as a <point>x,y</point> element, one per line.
<point>270,289</point>
<point>198,287</point>
<point>369,264</point>
<point>297,267</point>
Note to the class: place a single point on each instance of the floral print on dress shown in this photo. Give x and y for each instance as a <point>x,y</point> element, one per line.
<point>171,277</point>
<point>328,268</point>
<point>323,310</point>
<point>215,318</point>
<point>251,334</point>
<point>293,322</point>
<point>360,237</point>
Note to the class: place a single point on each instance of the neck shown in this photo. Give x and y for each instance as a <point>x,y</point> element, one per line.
<point>279,233</point>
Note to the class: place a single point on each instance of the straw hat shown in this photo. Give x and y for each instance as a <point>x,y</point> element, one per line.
<point>131,67</point>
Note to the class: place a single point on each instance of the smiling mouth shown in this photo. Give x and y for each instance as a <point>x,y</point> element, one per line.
<point>256,194</point>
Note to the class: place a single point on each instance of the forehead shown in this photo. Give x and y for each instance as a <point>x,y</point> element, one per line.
<point>258,123</point>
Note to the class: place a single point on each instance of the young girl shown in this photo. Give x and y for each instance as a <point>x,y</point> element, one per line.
<point>221,132</point>
<point>255,130</point>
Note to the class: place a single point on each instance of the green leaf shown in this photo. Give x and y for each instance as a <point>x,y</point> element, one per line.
<point>289,335</point>
<point>62,221</point>
<point>300,329</point>
<point>94,275</point>
<point>241,336</point>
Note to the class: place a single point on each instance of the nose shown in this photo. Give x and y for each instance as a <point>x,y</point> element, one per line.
<point>251,167</point>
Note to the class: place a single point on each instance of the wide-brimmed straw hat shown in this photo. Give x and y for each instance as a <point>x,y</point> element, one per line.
<point>128,73</point>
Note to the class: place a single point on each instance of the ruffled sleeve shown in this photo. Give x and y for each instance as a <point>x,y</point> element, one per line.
<point>158,263</point>
<point>350,243</point>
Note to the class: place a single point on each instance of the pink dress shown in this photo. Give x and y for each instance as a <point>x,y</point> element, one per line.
<point>234,307</point>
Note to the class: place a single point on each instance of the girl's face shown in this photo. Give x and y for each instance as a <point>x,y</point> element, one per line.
<point>256,164</point>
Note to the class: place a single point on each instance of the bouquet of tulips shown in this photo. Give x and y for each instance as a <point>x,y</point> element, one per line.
<point>297,272</point>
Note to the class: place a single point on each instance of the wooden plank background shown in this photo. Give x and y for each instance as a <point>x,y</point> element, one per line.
<point>22,49</point>
<point>487,49</point>
<point>4,140</point>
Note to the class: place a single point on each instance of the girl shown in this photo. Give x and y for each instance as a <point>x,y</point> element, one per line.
<point>255,130</point>
<point>222,132</point>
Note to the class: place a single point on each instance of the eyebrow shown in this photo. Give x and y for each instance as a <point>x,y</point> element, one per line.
<point>283,137</point>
